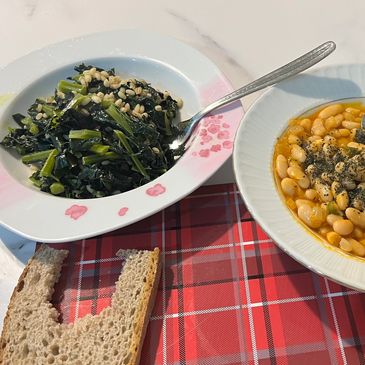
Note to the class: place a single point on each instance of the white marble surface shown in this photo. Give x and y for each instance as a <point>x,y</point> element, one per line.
<point>244,38</point>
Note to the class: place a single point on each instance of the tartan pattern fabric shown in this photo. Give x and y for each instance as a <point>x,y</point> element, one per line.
<point>228,294</point>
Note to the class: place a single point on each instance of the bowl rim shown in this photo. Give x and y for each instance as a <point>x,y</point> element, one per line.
<point>250,205</point>
<point>177,188</point>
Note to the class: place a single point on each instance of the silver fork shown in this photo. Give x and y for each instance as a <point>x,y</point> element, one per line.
<point>300,64</point>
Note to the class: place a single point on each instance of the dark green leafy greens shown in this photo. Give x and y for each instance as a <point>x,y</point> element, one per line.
<point>97,136</point>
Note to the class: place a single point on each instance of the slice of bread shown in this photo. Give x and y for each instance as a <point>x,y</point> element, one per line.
<point>33,335</point>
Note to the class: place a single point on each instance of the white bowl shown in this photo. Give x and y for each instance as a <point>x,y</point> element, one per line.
<point>253,154</point>
<point>168,65</point>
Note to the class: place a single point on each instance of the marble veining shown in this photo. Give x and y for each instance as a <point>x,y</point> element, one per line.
<point>206,38</point>
<point>30,7</point>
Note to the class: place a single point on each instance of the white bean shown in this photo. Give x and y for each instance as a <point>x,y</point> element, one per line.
<point>358,146</point>
<point>331,111</point>
<point>324,230</point>
<point>356,217</point>
<point>295,172</point>
<point>345,245</point>
<point>335,187</point>
<point>353,111</point>
<point>348,116</point>
<point>357,232</point>
<point>296,129</point>
<point>289,186</point>
<point>332,218</point>
<point>310,194</point>
<point>324,192</point>
<point>340,167</point>
<point>293,163</point>
<point>339,118</point>
<point>306,124</point>
<point>314,138</point>
<point>318,128</point>
<point>328,150</point>
<point>298,153</point>
<point>304,182</point>
<point>350,125</point>
<point>333,238</point>
<point>300,202</point>
<point>292,138</point>
<point>353,132</point>
<point>311,216</point>
<point>331,123</point>
<point>343,227</point>
<point>342,200</point>
<point>329,139</point>
<point>316,145</point>
<point>357,248</point>
<point>281,166</point>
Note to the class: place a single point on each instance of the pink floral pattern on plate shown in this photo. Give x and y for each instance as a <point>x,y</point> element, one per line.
<point>214,135</point>
<point>216,148</point>
<point>76,211</point>
<point>204,152</point>
<point>228,145</point>
<point>214,128</point>
<point>156,190</point>
<point>123,211</point>
<point>223,135</point>
<point>206,139</point>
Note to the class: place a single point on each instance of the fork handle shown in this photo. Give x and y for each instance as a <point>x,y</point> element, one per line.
<point>298,65</point>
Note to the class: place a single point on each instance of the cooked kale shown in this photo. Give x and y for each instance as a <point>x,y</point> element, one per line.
<point>98,135</point>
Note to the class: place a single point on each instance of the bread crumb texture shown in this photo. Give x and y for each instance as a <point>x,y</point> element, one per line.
<point>33,335</point>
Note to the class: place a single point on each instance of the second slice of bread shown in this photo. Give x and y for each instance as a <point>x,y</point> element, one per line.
<point>33,335</point>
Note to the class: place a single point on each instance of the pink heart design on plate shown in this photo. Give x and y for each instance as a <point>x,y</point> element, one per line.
<point>122,211</point>
<point>156,190</point>
<point>76,211</point>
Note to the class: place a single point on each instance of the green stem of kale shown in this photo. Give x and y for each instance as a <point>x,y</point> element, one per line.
<point>83,134</point>
<point>36,156</point>
<point>48,166</point>
<point>123,139</point>
<point>89,160</point>
<point>120,118</point>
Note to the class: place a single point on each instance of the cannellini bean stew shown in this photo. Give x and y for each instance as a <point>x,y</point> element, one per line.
<point>319,166</point>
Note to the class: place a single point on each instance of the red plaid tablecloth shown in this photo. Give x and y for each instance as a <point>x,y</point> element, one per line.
<point>227,295</point>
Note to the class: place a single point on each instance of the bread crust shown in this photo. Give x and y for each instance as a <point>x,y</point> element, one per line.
<point>6,325</point>
<point>146,306</point>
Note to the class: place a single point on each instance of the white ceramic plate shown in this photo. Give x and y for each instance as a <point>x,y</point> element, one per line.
<point>167,64</point>
<point>254,147</point>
